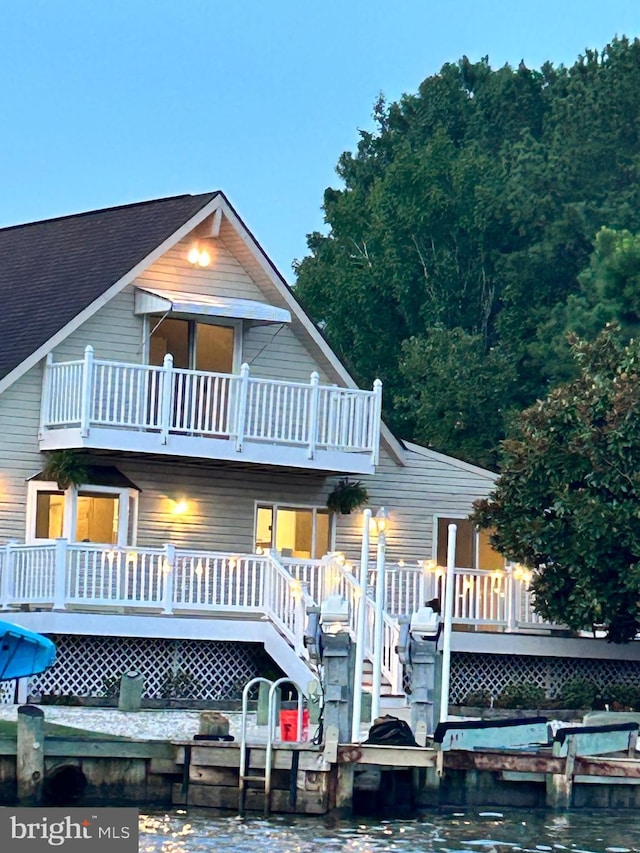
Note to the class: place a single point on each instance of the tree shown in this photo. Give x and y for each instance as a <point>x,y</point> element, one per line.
<point>473,206</point>
<point>567,502</point>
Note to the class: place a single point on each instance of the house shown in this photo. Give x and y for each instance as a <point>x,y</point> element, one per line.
<point>156,344</point>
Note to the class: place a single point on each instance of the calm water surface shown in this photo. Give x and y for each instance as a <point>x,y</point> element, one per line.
<point>463,831</point>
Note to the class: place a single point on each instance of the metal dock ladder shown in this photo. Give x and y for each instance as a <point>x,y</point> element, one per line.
<point>246,774</point>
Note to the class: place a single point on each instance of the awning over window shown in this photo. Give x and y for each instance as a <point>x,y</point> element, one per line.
<point>152,301</point>
<point>101,475</point>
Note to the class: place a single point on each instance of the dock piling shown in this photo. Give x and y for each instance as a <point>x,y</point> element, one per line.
<point>30,755</point>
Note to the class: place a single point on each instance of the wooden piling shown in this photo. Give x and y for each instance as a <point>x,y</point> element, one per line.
<point>30,755</point>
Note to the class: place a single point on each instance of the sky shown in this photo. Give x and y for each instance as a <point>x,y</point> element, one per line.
<point>107,102</point>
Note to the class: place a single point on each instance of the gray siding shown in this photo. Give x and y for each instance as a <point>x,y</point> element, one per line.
<point>114,332</point>
<point>428,485</point>
<point>19,424</point>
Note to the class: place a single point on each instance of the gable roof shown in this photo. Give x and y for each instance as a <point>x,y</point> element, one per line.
<point>54,274</point>
<point>50,271</point>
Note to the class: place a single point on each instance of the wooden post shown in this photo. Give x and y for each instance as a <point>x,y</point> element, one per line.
<point>560,785</point>
<point>344,789</point>
<point>60,575</point>
<point>87,391</point>
<point>241,410</point>
<point>130,695</point>
<point>312,426</point>
<point>166,397</point>
<point>30,755</point>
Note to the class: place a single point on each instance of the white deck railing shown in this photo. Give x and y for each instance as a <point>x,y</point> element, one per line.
<point>170,580</point>
<point>166,400</point>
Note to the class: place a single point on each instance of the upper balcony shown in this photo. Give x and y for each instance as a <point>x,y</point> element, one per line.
<point>109,405</point>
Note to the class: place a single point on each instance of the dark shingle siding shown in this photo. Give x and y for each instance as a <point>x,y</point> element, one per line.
<point>50,271</point>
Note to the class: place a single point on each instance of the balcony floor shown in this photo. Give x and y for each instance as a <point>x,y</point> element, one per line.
<point>199,447</point>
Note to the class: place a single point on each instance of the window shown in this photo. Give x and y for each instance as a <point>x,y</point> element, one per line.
<point>101,514</point>
<point>473,549</point>
<point>302,532</point>
<point>196,346</point>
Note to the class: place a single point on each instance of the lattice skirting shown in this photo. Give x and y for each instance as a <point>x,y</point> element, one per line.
<point>197,669</point>
<point>471,673</point>
<point>186,669</point>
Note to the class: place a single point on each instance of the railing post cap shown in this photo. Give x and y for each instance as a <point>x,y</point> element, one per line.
<point>244,367</point>
<point>88,349</point>
<point>167,361</point>
<point>315,377</point>
<point>377,384</point>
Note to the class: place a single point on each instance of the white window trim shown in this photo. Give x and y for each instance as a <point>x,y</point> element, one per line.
<point>124,496</point>
<point>274,506</point>
<point>454,516</point>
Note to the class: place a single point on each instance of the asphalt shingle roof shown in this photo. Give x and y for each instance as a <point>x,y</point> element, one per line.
<point>52,270</point>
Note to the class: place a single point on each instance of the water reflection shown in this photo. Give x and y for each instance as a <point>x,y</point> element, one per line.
<point>468,831</point>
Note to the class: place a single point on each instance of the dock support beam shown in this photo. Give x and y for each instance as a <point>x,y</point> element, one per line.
<point>30,755</point>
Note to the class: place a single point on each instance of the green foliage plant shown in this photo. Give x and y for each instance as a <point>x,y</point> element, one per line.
<point>180,685</point>
<point>578,693</point>
<point>65,467</point>
<point>347,496</point>
<point>521,694</point>
<point>567,503</point>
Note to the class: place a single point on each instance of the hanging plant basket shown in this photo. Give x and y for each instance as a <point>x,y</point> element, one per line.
<point>347,496</point>
<point>65,467</point>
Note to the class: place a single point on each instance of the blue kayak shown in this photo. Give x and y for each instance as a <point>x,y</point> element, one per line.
<point>23,652</point>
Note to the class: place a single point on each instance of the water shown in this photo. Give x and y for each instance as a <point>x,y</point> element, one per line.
<point>461,831</point>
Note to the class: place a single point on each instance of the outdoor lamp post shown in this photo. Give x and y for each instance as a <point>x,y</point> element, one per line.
<point>360,628</point>
<point>447,620</point>
<point>381,523</point>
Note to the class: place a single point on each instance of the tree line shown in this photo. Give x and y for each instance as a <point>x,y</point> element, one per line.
<point>485,218</point>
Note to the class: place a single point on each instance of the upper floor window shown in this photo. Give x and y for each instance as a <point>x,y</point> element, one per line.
<point>211,347</point>
<point>473,548</point>
<point>302,532</point>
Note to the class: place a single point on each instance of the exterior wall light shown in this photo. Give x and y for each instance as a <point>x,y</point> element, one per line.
<point>180,507</point>
<point>381,520</point>
<point>199,257</point>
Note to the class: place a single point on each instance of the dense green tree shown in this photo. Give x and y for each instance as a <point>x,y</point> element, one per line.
<point>567,502</point>
<point>473,206</point>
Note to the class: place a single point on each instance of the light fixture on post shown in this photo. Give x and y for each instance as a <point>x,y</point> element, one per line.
<point>381,523</point>
<point>360,627</point>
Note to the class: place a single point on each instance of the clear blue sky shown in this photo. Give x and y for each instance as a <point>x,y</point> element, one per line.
<point>105,102</point>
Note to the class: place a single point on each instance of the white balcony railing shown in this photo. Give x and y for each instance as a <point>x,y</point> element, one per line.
<point>167,402</point>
